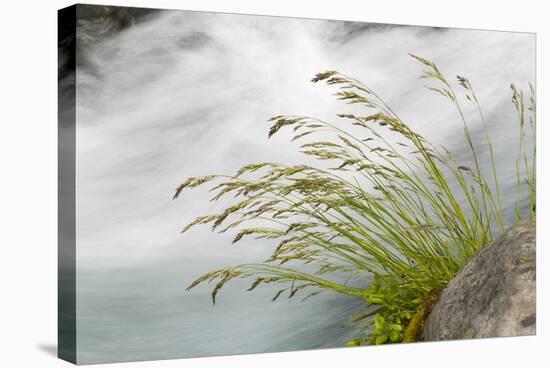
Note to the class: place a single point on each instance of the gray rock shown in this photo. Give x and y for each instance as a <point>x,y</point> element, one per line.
<point>493,295</point>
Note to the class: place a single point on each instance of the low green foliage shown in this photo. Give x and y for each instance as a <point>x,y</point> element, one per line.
<point>381,211</point>
<point>416,323</point>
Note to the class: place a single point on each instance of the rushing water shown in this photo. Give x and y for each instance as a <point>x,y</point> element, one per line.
<point>185,93</point>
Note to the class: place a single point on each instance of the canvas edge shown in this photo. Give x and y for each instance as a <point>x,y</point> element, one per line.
<point>66,278</point>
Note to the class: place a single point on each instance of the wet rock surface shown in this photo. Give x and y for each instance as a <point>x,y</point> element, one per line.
<point>493,295</point>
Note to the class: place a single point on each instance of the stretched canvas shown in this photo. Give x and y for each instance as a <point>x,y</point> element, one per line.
<point>233,184</point>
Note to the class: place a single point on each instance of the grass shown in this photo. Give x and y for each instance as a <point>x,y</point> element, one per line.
<point>380,217</point>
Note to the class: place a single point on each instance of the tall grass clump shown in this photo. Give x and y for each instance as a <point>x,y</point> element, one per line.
<point>379,218</point>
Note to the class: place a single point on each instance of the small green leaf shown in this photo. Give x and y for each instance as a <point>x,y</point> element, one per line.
<point>381,340</point>
<point>376,331</point>
<point>379,321</point>
<point>395,336</point>
<point>375,300</point>
<point>396,327</point>
<point>355,342</point>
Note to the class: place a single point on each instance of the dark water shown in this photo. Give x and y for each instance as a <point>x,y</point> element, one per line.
<point>147,314</point>
<point>180,94</point>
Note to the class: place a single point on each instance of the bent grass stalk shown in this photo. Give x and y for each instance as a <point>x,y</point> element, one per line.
<point>383,218</point>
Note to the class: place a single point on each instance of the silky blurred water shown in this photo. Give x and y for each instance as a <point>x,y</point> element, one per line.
<point>185,93</point>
